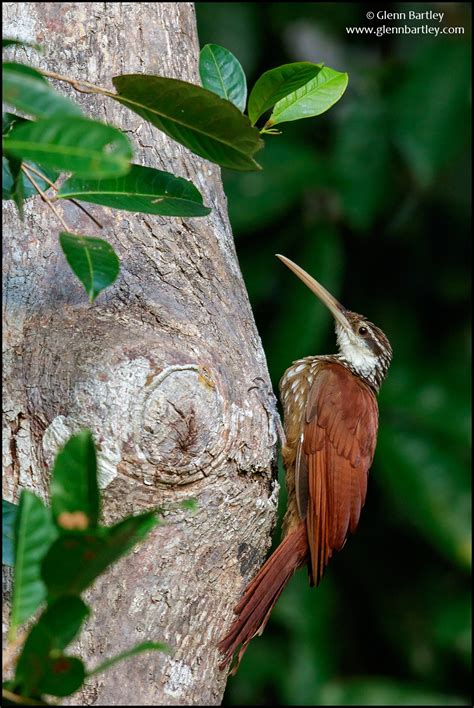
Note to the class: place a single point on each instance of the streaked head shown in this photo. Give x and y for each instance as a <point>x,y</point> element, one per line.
<point>363,347</point>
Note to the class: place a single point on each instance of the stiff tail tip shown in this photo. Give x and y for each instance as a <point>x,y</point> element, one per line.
<point>259,598</point>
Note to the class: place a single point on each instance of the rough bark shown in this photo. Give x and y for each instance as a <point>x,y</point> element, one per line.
<point>166,368</point>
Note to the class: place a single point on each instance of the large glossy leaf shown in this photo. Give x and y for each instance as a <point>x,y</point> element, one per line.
<point>138,649</point>
<point>312,99</point>
<point>34,534</point>
<point>74,490</point>
<point>15,183</point>
<point>62,621</point>
<point>64,675</point>
<point>76,559</point>
<point>9,513</point>
<point>143,189</point>
<point>9,121</point>
<point>42,666</point>
<point>277,83</point>
<point>85,147</point>
<point>27,90</point>
<point>93,260</point>
<point>222,74</point>
<point>205,123</point>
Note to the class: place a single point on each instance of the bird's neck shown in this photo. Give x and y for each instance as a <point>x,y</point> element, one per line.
<point>368,370</point>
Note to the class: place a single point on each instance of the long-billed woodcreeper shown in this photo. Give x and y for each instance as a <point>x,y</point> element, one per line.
<point>330,423</point>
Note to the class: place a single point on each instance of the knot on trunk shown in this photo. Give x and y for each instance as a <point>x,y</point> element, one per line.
<point>183,428</point>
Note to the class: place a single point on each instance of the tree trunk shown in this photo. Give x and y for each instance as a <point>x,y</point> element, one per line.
<point>166,368</point>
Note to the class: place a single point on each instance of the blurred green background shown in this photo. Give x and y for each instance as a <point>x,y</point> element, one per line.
<point>373,199</point>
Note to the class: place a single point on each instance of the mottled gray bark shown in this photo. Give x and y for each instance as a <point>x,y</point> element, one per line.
<point>166,368</point>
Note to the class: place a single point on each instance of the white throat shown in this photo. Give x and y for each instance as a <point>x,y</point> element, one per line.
<point>357,355</point>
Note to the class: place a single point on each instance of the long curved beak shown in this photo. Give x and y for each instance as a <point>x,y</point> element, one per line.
<point>336,309</point>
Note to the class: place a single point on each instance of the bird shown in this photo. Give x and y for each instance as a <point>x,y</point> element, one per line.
<point>330,424</point>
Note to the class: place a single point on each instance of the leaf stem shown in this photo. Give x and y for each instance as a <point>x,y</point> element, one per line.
<point>21,700</point>
<point>46,199</point>
<point>77,83</point>
<point>76,203</point>
<point>270,131</point>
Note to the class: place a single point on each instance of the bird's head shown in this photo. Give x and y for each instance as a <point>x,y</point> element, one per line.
<point>363,347</point>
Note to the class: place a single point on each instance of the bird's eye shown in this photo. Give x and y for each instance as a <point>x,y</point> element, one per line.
<point>362,331</point>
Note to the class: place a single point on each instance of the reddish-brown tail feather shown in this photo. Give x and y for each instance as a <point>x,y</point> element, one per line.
<point>261,595</point>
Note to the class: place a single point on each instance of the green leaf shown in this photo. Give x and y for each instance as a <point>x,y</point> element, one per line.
<point>33,662</point>
<point>19,43</point>
<point>28,189</point>
<point>193,116</point>
<point>42,666</point>
<point>60,623</point>
<point>17,191</point>
<point>143,189</point>
<point>64,619</point>
<point>7,180</point>
<point>26,89</point>
<point>9,514</point>
<point>93,260</point>
<point>383,692</point>
<point>138,649</point>
<point>48,173</point>
<point>9,120</point>
<point>312,99</point>
<point>74,491</point>
<point>34,534</point>
<point>76,559</point>
<point>222,74</point>
<point>64,675</point>
<point>86,147</point>
<point>277,83</point>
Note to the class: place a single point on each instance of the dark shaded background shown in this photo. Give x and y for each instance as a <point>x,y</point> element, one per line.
<point>373,199</point>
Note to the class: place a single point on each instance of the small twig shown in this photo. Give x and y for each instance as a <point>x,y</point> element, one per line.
<point>77,83</point>
<point>21,700</point>
<point>82,208</point>
<point>43,177</point>
<point>53,186</point>
<point>45,198</point>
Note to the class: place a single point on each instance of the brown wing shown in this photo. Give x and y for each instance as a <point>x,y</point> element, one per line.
<point>337,449</point>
